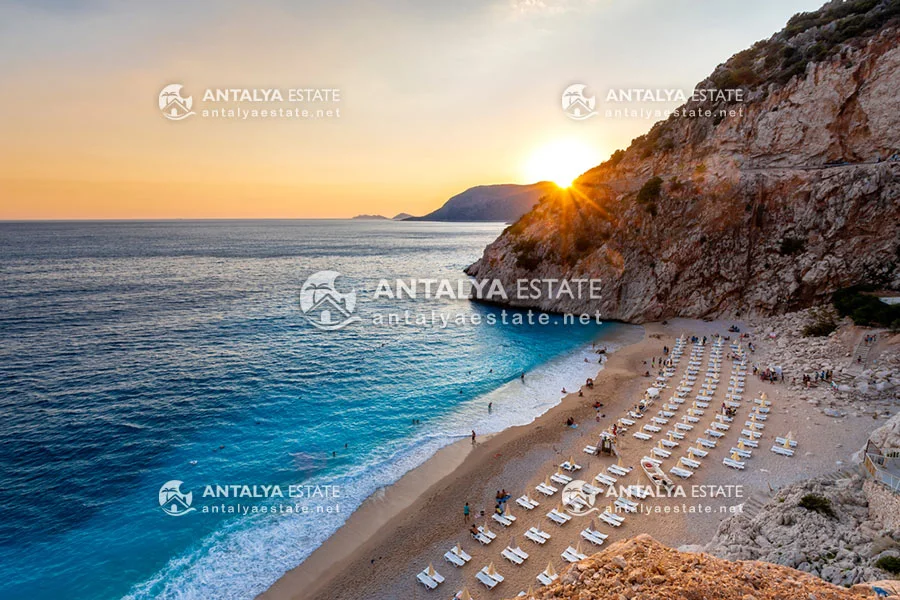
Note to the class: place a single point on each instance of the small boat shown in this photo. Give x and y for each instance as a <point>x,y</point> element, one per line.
<point>656,475</point>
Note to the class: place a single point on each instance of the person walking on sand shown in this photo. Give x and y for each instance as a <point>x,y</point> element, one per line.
<point>473,437</point>
<point>490,407</point>
<point>466,513</point>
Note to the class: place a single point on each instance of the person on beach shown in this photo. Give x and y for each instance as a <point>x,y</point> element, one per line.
<point>473,437</point>
<point>490,407</point>
<point>466,513</point>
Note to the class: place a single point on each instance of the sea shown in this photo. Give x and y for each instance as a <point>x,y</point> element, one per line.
<point>138,357</point>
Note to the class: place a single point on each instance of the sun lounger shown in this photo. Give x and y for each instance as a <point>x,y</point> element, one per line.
<point>611,519</point>
<point>754,425</point>
<point>760,417</point>
<point>482,539</point>
<point>706,443</point>
<point>527,503</point>
<point>639,491</point>
<point>734,464</point>
<point>547,490</point>
<point>763,402</point>
<point>576,502</point>
<point>660,452</point>
<point>731,404</point>
<point>454,559</point>
<point>558,517</point>
<point>762,410</point>
<point>749,433</point>
<point>484,530</point>
<point>689,462</point>
<point>537,536</point>
<point>589,489</point>
<point>590,449</point>
<point>720,426</point>
<point>749,443</point>
<point>676,434</point>
<point>560,478</point>
<point>723,419</point>
<point>683,473</point>
<point>626,422</point>
<point>635,415</point>
<point>652,428</point>
<point>713,433</point>
<point>427,581</point>
<point>487,580</point>
<point>617,470</point>
<point>780,441</point>
<point>642,436</point>
<point>659,421</point>
<point>501,519</point>
<point>702,404</point>
<point>511,556</point>
<point>572,555</point>
<point>518,551</point>
<point>594,537</point>
<point>667,414</point>
<point>605,479</point>
<point>547,578</point>
<point>697,452</point>
<point>570,466</point>
<point>692,419</point>
<point>782,451</point>
<point>741,452</point>
<point>626,504</point>
<point>669,443</point>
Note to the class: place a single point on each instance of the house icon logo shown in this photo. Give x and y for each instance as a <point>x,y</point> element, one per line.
<point>324,306</point>
<point>577,500</point>
<point>576,105</point>
<point>172,501</point>
<point>173,105</point>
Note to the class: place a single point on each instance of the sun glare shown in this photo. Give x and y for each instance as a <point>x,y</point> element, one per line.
<point>560,162</point>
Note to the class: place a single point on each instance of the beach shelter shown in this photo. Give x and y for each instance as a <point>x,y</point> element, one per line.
<point>735,457</point>
<point>464,595</point>
<point>506,512</point>
<point>457,549</point>
<point>430,570</point>
<point>491,571</point>
<point>547,481</point>
<point>550,571</point>
<point>741,444</point>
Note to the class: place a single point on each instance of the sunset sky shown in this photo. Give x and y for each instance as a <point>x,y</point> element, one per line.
<point>436,97</point>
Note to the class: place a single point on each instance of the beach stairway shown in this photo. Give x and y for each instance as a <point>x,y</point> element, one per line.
<point>845,473</point>
<point>755,502</point>
<point>861,353</point>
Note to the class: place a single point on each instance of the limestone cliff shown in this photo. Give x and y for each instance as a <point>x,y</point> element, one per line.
<point>767,208</point>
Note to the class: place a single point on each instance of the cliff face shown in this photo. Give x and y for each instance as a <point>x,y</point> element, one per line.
<point>643,568</point>
<point>766,209</point>
<point>503,202</point>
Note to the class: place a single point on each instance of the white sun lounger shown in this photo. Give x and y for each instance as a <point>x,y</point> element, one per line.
<point>487,580</point>
<point>558,517</point>
<point>547,490</point>
<point>611,519</point>
<point>484,530</point>
<point>706,443</point>
<point>676,434</point>
<point>639,491</point>
<point>741,453</point>
<point>576,502</point>
<point>761,402</point>
<point>692,419</point>
<point>626,504</point>
<point>427,581</point>
<point>589,489</point>
<point>697,452</point>
<point>626,422</point>
<point>720,426</point>
<point>751,434</point>
<point>734,464</point>
<point>635,415</point>
<point>642,436</point>
<point>659,421</point>
<point>683,473</point>
<point>713,433</point>
<point>660,452</point>
<point>702,404</point>
<point>502,520</point>
<point>546,579</point>
<point>568,466</point>
<point>560,478</point>
<point>527,503</point>
<point>760,417</point>
<point>537,536</point>
<point>751,425</point>
<point>782,451</point>
<point>605,479</point>
<point>763,410</point>
<point>482,539</point>
<point>780,441</point>
<point>454,559</point>
<point>652,428</point>
<point>689,462</point>
<point>669,443</point>
<point>590,449</point>
<point>510,555</point>
<point>617,470</point>
<point>749,443</point>
<point>571,555</point>
<point>723,419</point>
<point>593,536</point>
<point>732,404</point>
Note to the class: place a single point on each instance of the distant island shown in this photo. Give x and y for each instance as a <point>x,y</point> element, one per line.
<point>503,202</point>
<point>402,217</point>
<point>370,218</point>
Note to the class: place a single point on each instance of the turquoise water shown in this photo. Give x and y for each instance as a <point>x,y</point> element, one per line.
<point>138,353</point>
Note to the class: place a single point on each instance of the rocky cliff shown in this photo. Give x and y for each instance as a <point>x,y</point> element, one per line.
<point>789,194</point>
<point>503,202</point>
<point>641,568</point>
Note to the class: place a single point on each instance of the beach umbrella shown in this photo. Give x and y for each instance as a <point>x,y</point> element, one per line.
<point>530,593</point>
<point>457,549</point>
<point>464,595</point>
<point>593,525</point>
<point>506,512</point>
<point>734,456</point>
<point>547,481</point>
<point>620,462</point>
<point>549,571</point>
<point>491,570</point>
<point>578,548</point>
<point>763,396</point>
<point>741,444</point>
<point>430,570</point>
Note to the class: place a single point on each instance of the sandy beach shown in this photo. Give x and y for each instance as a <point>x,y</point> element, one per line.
<point>396,534</point>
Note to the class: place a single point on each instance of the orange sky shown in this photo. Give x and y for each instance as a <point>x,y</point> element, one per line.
<point>435,99</point>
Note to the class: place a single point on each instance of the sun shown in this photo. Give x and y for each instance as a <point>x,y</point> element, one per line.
<point>560,161</point>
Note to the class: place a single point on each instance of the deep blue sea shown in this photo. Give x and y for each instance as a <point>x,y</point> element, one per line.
<point>135,353</point>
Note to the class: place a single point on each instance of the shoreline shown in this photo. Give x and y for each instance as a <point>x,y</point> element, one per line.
<point>375,518</point>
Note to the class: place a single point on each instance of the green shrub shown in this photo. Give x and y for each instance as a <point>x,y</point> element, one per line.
<point>865,309</point>
<point>650,190</point>
<point>817,503</point>
<point>891,564</point>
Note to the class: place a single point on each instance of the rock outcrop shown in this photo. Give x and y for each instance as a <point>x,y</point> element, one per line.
<point>769,206</point>
<point>503,202</point>
<point>641,568</point>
